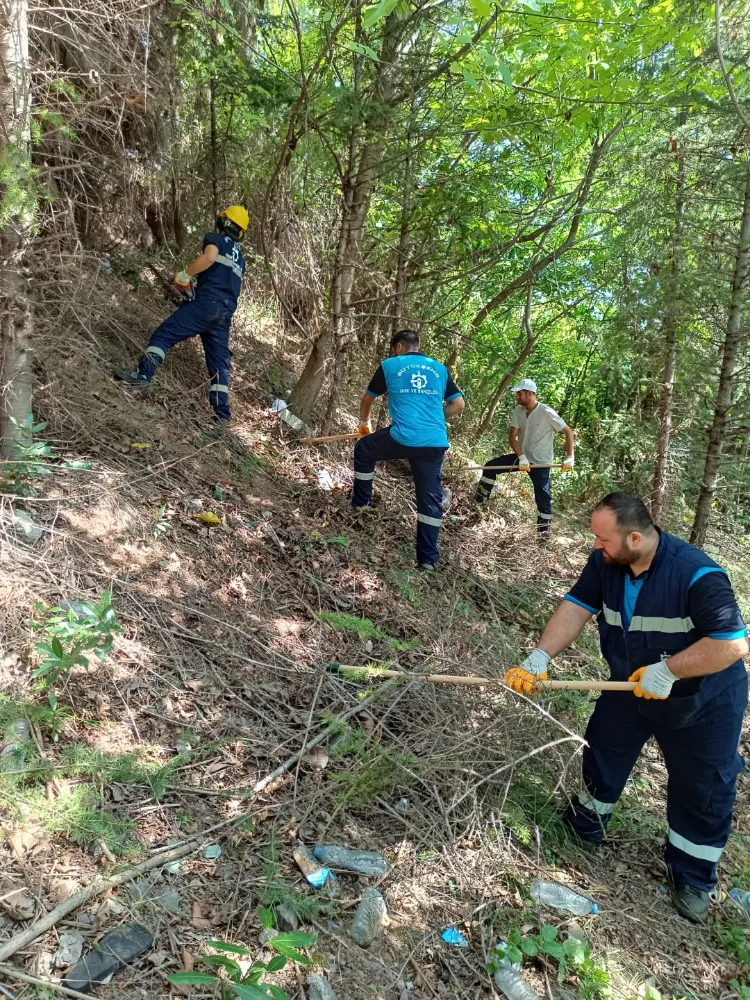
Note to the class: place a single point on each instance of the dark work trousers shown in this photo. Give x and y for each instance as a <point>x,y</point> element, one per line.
<point>542,491</point>
<point>210,321</point>
<point>426,468</point>
<point>702,763</point>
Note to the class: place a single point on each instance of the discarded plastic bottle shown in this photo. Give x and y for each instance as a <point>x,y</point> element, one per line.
<point>513,985</point>
<point>561,898</point>
<point>363,862</point>
<point>369,917</point>
<point>11,755</point>
<point>319,878</point>
<point>741,898</point>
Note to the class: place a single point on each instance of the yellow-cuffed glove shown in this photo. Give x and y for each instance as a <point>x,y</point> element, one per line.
<point>523,464</point>
<point>364,429</point>
<point>654,681</point>
<point>568,464</point>
<point>524,679</point>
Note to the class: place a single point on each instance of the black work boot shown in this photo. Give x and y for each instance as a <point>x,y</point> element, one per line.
<point>132,378</point>
<point>692,902</point>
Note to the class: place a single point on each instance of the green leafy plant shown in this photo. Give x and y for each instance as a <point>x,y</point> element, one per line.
<point>734,939</point>
<point>27,460</point>
<point>340,621</point>
<point>249,985</point>
<point>70,633</point>
<point>54,718</point>
<point>572,956</point>
<point>742,991</point>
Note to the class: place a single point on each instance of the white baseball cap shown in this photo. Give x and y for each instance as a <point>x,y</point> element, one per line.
<point>525,385</point>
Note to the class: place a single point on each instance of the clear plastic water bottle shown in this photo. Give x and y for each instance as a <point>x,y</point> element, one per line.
<point>741,898</point>
<point>369,917</point>
<point>11,755</point>
<point>513,985</point>
<point>318,877</point>
<point>363,862</point>
<point>559,897</point>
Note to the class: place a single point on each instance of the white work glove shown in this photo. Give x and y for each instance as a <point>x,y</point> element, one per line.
<point>654,681</point>
<point>523,466</point>
<point>364,429</point>
<point>182,280</point>
<point>568,464</point>
<point>524,679</point>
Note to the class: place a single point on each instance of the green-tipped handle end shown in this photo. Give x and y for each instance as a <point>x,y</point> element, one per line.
<point>333,668</point>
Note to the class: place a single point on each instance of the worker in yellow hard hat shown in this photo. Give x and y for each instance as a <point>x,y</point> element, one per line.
<point>211,285</point>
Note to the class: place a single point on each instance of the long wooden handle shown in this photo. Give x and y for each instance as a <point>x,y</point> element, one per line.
<point>375,673</point>
<point>505,468</point>
<point>329,437</point>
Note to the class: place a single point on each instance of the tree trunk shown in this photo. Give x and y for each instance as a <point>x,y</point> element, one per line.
<point>669,330</point>
<point>726,378</point>
<point>357,189</point>
<point>214,150</point>
<point>15,152</point>
<point>515,367</point>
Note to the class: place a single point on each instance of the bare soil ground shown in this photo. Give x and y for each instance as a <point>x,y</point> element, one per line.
<point>220,675</point>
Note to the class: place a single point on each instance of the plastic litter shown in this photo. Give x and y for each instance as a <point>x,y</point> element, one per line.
<point>362,862</point>
<point>505,962</point>
<point>113,952</point>
<point>319,988</point>
<point>318,877</point>
<point>11,755</point>
<point>741,898</point>
<point>325,480</point>
<point>212,852</point>
<point>277,406</point>
<point>69,950</point>
<point>369,917</point>
<point>513,985</point>
<point>559,897</point>
<point>452,935</point>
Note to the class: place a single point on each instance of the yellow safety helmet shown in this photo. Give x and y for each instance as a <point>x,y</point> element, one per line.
<point>236,214</point>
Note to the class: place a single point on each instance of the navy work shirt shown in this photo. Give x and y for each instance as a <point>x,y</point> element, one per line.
<point>417,387</point>
<point>223,279</point>
<point>684,596</point>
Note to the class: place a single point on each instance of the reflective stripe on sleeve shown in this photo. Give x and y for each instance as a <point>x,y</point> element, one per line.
<point>157,351</point>
<point>364,475</point>
<point>436,522</point>
<point>702,851</point>
<point>228,262</point>
<point>611,617</point>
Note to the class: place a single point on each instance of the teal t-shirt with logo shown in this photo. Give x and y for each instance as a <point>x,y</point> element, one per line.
<point>417,387</point>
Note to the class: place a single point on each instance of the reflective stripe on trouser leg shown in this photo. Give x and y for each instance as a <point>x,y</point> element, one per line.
<point>615,735</point>
<point>426,467</point>
<point>372,448</point>
<point>186,322</point>
<point>487,481</point>
<point>150,361</point>
<point>702,763</point>
<point>543,523</point>
<point>218,362</point>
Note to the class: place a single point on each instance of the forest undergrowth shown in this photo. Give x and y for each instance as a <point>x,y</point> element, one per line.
<point>216,577</point>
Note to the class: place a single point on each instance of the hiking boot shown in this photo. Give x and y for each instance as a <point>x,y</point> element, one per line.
<point>692,902</point>
<point>427,567</point>
<point>132,378</point>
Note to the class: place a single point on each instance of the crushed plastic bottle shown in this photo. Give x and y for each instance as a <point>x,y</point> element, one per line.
<point>362,862</point>
<point>513,985</point>
<point>369,917</point>
<point>11,755</point>
<point>741,898</point>
<point>319,878</point>
<point>559,897</point>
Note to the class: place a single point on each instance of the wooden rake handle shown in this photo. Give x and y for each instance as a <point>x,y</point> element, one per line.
<point>375,674</point>
<point>329,437</point>
<point>505,468</point>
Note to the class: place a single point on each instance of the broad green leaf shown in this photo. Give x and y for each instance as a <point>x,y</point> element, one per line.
<point>226,963</point>
<point>277,963</point>
<point>504,73</point>
<point>266,917</point>
<point>529,947</point>
<point>549,932</point>
<point>481,9</point>
<point>470,78</point>
<point>190,979</point>
<point>232,949</point>
<point>246,991</point>
<point>380,10</point>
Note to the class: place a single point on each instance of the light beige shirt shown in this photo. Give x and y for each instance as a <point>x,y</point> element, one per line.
<point>536,432</point>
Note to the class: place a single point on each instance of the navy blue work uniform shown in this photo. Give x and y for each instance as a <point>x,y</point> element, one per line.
<point>683,597</point>
<point>209,317</point>
<point>417,387</point>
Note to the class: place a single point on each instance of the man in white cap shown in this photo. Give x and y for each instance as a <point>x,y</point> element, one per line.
<point>531,437</point>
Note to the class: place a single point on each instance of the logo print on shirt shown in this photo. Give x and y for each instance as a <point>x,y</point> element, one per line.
<point>418,380</point>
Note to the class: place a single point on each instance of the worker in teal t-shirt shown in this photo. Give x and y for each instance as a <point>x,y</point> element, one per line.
<point>421,396</point>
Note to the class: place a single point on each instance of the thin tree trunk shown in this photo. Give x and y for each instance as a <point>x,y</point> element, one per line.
<point>15,151</point>
<point>404,236</point>
<point>726,378</point>
<point>669,330</point>
<point>214,152</point>
<point>515,367</point>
